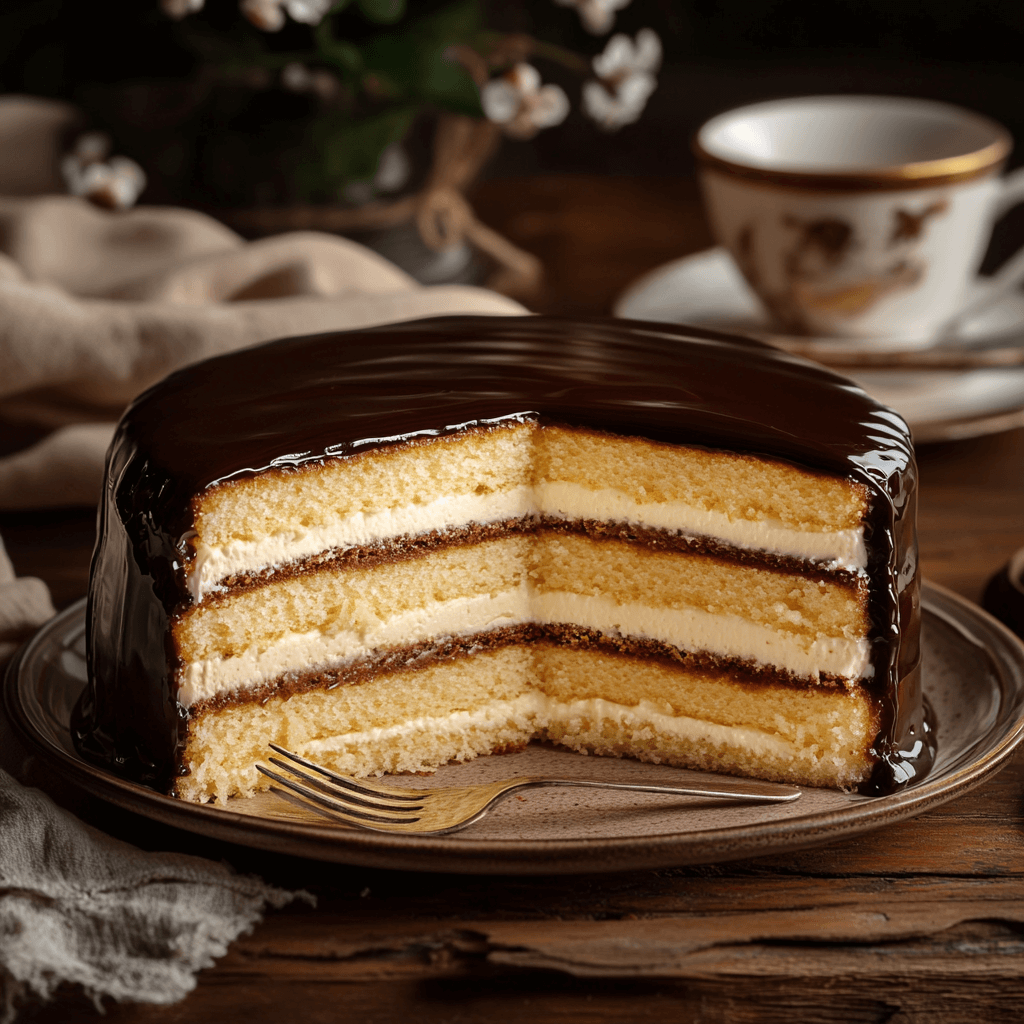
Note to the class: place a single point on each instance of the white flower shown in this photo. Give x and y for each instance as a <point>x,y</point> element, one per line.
<point>89,150</point>
<point>309,12</point>
<point>597,16</point>
<point>268,15</point>
<point>626,79</point>
<point>500,100</point>
<point>613,110</point>
<point>621,54</point>
<point>296,77</point>
<point>521,105</point>
<point>178,9</point>
<point>115,184</point>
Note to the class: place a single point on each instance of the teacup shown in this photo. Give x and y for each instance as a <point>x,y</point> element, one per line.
<point>860,216</point>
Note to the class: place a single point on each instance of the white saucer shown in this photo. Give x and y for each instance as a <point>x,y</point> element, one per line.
<point>706,290</point>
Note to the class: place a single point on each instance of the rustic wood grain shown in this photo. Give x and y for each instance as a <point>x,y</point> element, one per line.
<point>918,922</point>
<point>594,235</point>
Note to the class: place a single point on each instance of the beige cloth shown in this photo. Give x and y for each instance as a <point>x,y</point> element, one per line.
<point>79,907</point>
<point>24,606</point>
<point>96,306</point>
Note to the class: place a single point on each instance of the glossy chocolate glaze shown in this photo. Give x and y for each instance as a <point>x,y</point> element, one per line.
<point>339,395</point>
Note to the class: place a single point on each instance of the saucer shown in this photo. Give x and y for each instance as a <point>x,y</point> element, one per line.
<point>707,290</point>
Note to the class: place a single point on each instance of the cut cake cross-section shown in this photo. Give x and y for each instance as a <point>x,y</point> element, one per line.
<point>395,548</point>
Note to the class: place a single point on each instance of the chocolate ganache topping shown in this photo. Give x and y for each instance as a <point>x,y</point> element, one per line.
<point>335,396</point>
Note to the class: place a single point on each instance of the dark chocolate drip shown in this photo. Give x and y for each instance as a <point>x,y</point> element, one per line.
<point>304,400</point>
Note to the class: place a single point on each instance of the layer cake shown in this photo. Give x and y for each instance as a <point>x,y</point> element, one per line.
<point>395,548</point>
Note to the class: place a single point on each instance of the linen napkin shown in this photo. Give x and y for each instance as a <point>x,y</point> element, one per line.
<point>78,906</point>
<point>96,305</point>
<point>24,606</point>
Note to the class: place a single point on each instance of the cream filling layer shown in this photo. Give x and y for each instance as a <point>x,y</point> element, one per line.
<point>727,636</point>
<point>843,549</point>
<point>535,711</point>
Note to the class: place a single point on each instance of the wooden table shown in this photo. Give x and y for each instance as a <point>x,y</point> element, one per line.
<point>922,921</point>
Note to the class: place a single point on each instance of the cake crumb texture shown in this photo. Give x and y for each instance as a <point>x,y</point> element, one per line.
<point>454,710</point>
<point>485,461</point>
<point>793,606</point>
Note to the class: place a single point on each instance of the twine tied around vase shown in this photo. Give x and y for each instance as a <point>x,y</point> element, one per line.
<point>444,218</point>
<point>442,215</point>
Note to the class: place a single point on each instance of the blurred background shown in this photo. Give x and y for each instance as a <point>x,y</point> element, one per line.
<point>724,53</point>
<point>250,108</point>
<point>200,104</point>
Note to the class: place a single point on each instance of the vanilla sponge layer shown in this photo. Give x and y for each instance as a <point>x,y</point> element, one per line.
<point>516,470</point>
<point>587,700</point>
<point>807,627</point>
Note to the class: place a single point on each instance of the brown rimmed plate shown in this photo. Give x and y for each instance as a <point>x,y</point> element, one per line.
<point>973,677</point>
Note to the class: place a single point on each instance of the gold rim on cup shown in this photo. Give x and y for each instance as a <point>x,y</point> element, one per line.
<point>988,160</point>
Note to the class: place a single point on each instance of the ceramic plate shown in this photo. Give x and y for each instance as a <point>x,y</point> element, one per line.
<point>973,677</point>
<point>706,289</point>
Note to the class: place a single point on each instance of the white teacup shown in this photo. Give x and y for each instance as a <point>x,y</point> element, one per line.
<point>860,216</point>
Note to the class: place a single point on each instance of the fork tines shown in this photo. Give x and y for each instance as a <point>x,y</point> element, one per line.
<point>343,795</point>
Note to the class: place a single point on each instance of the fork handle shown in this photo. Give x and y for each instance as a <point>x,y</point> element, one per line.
<point>730,789</point>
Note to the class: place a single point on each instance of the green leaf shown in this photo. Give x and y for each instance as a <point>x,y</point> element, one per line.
<point>395,57</point>
<point>414,58</point>
<point>450,86</point>
<point>342,150</point>
<point>384,12</point>
<point>341,54</point>
<point>455,23</point>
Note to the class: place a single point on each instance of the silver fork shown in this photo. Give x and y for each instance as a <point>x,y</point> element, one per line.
<point>437,812</point>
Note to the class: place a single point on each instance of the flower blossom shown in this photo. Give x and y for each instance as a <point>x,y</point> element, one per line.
<point>296,77</point>
<point>597,16</point>
<point>269,15</point>
<point>266,15</point>
<point>178,9</point>
<point>309,12</point>
<point>114,184</point>
<point>625,79</point>
<point>521,105</point>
